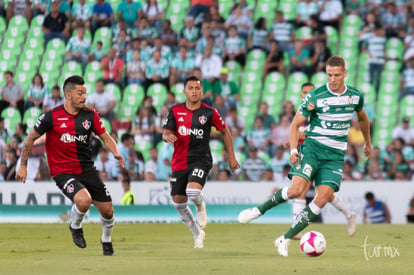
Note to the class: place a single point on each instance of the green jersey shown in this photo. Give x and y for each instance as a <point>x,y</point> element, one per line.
<point>331,115</point>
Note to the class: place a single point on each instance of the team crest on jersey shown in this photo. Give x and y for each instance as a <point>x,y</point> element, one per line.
<point>310,106</point>
<point>350,99</point>
<point>70,188</point>
<point>86,124</point>
<point>202,119</point>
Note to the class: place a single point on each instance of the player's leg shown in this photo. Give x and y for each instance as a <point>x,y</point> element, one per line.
<point>298,205</point>
<point>107,221</point>
<point>178,194</point>
<point>350,216</point>
<point>196,180</point>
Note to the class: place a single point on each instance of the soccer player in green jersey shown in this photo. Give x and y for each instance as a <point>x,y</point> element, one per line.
<point>330,109</point>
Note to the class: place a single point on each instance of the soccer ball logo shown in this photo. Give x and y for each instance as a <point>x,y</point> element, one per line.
<point>313,243</point>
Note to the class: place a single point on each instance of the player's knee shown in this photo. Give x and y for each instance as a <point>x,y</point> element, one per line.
<point>293,193</point>
<point>82,200</point>
<point>108,212</point>
<point>193,193</point>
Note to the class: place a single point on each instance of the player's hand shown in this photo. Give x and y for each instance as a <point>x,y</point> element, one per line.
<point>21,174</point>
<point>294,158</point>
<point>234,164</point>
<point>367,151</point>
<point>121,160</point>
<point>170,138</point>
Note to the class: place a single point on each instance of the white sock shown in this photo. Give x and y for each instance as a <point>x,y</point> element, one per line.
<point>341,206</point>
<point>187,217</point>
<point>284,193</point>
<point>314,208</point>
<point>297,206</point>
<point>76,217</point>
<point>195,195</point>
<point>107,226</point>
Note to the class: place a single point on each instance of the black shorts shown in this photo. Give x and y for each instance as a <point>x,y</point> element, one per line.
<point>70,184</point>
<point>180,179</point>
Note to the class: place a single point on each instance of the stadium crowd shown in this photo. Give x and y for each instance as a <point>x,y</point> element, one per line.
<point>146,49</point>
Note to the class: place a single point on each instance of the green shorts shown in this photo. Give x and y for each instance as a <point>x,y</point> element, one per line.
<point>319,163</point>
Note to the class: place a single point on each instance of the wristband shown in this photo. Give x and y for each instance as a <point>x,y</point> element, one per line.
<point>293,151</point>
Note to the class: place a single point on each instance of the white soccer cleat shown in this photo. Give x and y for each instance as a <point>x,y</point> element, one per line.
<point>202,215</point>
<point>282,246</point>
<point>352,224</point>
<point>199,240</point>
<point>249,214</point>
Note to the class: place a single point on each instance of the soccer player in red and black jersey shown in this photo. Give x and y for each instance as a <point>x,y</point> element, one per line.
<point>188,126</point>
<point>68,129</point>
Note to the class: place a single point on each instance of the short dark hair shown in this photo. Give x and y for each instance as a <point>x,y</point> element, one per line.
<point>191,78</point>
<point>336,61</point>
<point>125,176</point>
<point>126,136</point>
<point>308,84</point>
<point>369,196</point>
<point>9,72</point>
<point>71,81</point>
<point>56,87</point>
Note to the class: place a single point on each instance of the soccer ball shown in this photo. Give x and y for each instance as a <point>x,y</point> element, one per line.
<point>313,243</point>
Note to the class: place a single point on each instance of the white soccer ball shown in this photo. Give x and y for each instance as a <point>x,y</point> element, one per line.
<point>313,243</point>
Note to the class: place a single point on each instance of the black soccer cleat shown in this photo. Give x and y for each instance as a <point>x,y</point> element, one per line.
<point>77,237</point>
<point>107,249</point>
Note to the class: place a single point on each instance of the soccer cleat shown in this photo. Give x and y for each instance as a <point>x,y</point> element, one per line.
<point>282,246</point>
<point>249,214</point>
<point>352,224</point>
<point>202,215</point>
<point>77,237</point>
<point>199,241</point>
<point>107,249</point>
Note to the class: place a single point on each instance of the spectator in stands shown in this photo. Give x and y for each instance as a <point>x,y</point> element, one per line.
<point>39,7</point>
<point>164,161</point>
<point>11,163</point>
<point>235,47</point>
<point>216,48</point>
<point>151,166</point>
<point>393,21</point>
<point>220,105</point>
<point>274,60</point>
<point>253,167</point>
<point>375,211</point>
<point>233,120</point>
<point>98,53</point>
<point>353,7</point>
<point>113,68</point>
<point>154,12</point>
<point>2,14</point>
<point>136,165</point>
<point>399,167</point>
<point>135,46</point>
<point>200,8</point>
<point>348,172</point>
<point>375,48</point>
<point>239,20</point>
<point>221,164</point>
<point>331,13</point>
<point>105,163</point>
<point>102,15</point>
<point>78,48</point>
<point>12,95</point>
<point>318,32</point>
<point>81,15</point>
<point>190,32</point>
<point>121,45</point>
<point>4,137</point>
<point>160,119</point>
<point>209,64</point>
<point>319,56</point>
<point>169,36</point>
<point>268,120</point>
<point>304,9</point>
<point>367,29</point>
<point>202,41</point>
<point>259,137</point>
<point>163,49</point>
<point>299,58</point>
<point>181,65</point>
<point>280,133</point>
<point>410,212</point>
<point>170,101</point>
<point>407,78</point>
<point>145,51</point>
<point>63,7</point>
<point>128,197</point>
<point>239,142</point>
<point>218,33</point>
<point>52,100</point>
<point>277,163</point>
<point>19,7</point>
<point>409,45</point>
<point>282,31</point>
<point>126,144</point>
<point>143,126</point>
<point>214,15</point>
<point>224,175</point>
<point>157,70</point>
<point>355,136</point>
<point>116,30</point>
<point>145,31</point>
<point>147,102</point>
<point>102,101</point>
<point>56,24</point>
<point>227,89</point>
<point>135,69</point>
<point>36,92</point>
<point>258,35</point>
<point>404,131</point>
<point>130,11</point>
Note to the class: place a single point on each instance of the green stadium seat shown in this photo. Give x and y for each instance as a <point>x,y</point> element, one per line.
<point>3,28</point>
<point>266,9</point>
<point>318,79</point>
<point>19,22</point>
<point>178,90</point>
<point>55,49</point>
<point>216,147</point>
<point>295,81</point>
<point>158,92</point>
<point>11,117</point>
<point>144,147</point>
<point>87,37</point>
<point>333,39</point>
<point>24,78</point>
<point>37,21</point>
<point>30,117</point>
<point>103,34</point>
<point>370,94</point>
<point>288,8</point>
<point>273,92</point>
<point>393,66</point>
<point>304,33</point>
<point>225,7</point>
<point>256,55</point>
<point>394,48</point>
<point>72,68</point>
<point>116,92</point>
<point>235,71</point>
<point>107,124</point>
<point>132,98</point>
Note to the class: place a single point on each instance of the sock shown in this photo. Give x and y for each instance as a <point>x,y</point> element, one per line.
<point>297,206</point>
<point>107,226</point>
<point>304,218</point>
<point>76,217</point>
<point>277,198</point>
<point>341,206</point>
<point>195,195</point>
<point>187,217</point>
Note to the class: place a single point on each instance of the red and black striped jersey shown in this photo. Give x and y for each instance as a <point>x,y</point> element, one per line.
<point>67,139</point>
<point>192,129</point>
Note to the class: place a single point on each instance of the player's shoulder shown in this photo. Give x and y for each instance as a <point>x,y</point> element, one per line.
<point>206,106</point>
<point>56,109</point>
<point>354,90</point>
<point>178,106</point>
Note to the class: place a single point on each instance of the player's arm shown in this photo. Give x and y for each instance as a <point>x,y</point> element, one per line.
<point>168,136</point>
<point>113,148</point>
<point>228,141</point>
<point>364,125</point>
<point>26,149</point>
<point>298,121</point>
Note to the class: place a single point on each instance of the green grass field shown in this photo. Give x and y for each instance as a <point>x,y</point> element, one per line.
<point>229,249</point>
